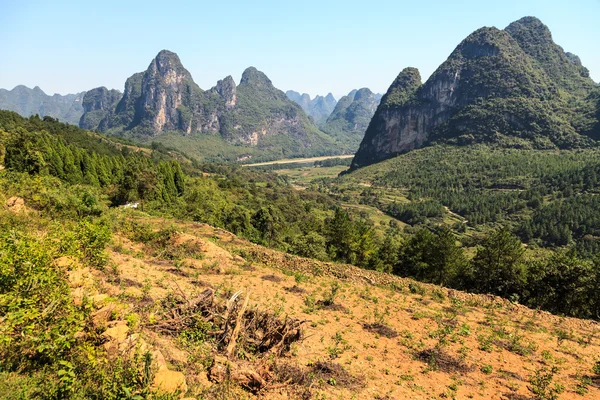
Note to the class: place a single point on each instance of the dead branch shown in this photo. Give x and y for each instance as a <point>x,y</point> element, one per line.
<point>238,325</point>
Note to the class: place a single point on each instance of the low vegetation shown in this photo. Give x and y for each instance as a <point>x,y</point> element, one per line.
<point>100,301</point>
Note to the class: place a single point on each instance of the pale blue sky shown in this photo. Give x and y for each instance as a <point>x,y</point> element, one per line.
<point>309,46</point>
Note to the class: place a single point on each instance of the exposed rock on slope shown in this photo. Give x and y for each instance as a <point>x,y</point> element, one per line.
<point>165,98</point>
<point>511,86</point>
<point>27,102</point>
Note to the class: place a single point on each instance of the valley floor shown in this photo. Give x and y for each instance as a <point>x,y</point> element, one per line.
<point>298,160</point>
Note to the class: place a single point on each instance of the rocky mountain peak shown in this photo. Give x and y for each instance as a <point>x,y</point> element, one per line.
<point>252,76</point>
<point>495,84</point>
<point>227,89</point>
<point>97,104</point>
<point>536,40</point>
<point>167,62</point>
<point>164,98</point>
<point>26,102</point>
<point>364,93</point>
<point>100,99</point>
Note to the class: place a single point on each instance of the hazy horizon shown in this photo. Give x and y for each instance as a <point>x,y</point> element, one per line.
<point>319,48</point>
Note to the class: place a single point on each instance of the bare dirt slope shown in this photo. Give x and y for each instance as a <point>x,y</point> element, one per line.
<point>344,333</point>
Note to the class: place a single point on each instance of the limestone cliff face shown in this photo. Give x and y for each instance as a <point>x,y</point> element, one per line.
<point>165,98</point>
<point>226,88</point>
<point>168,92</point>
<point>496,82</point>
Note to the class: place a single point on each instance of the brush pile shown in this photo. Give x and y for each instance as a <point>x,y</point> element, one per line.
<point>245,338</point>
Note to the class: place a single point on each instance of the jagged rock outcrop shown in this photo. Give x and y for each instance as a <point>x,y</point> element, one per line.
<point>227,90</point>
<point>167,86</point>
<point>497,85</point>
<point>319,108</point>
<point>98,103</point>
<point>27,102</point>
<point>351,116</point>
<point>165,98</point>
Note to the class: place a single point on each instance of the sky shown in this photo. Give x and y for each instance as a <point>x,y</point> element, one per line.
<point>308,46</point>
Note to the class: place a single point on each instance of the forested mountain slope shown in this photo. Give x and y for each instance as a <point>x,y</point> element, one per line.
<point>514,87</point>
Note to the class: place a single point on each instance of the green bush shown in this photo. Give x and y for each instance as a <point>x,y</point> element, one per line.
<point>39,318</point>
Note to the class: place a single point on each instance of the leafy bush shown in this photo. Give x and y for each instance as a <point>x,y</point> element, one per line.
<point>39,318</point>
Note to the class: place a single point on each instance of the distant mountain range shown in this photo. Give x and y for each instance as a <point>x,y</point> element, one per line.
<point>26,101</point>
<point>318,108</point>
<point>250,121</point>
<point>513,87</point>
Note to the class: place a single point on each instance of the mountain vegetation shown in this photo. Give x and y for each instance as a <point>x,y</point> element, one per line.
<point>27,102</point>
<point>513,87</point>
<point>351,116</point>
<point>267,210</point>
<point>252,120</point>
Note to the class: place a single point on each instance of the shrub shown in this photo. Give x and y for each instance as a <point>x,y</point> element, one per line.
<point>39,318</point>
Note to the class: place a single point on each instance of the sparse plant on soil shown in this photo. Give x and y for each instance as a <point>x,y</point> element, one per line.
<point>486,369</point>
<point>339,346</point>
<point>541,384</point>
<point>582,384</point>
<point>331,295</point>
<point>310,303</point>
<point>596,368</point>
<point>561,336</point>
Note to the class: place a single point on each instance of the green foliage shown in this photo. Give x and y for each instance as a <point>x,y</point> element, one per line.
<point>498,265</point>
<point>548,196</point>
<point>39,318</point>
<point>416,212</point>
<point>93,237</point>
<point>541,384</point>
<point>596,368</point>
<point>565,284</point>
<point>487,369</point>
<point>431,257</point>
<point>129,177</point>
